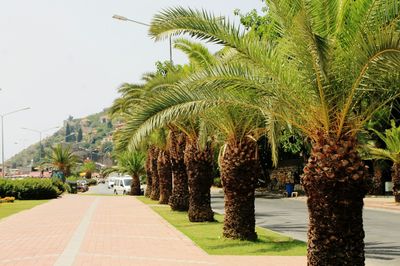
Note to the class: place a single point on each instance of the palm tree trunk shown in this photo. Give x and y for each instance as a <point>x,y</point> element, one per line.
<point>155,184</point>
<point>199,165</point>
<point>165,176</point>
<point>135,187</point>
<point>66,171</point>
<point>376,188</point>
<point>239,171</point>
<point>179,200</point>
<point>335,181</point>
<point>396,181</point>
<point>148,174</point>
<point>88,174</point>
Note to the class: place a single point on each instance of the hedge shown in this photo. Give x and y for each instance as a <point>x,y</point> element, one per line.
<point>31,188</point>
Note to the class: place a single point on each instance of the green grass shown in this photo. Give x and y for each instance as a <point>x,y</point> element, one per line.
<point>208,236</point>
<point>7,209</point>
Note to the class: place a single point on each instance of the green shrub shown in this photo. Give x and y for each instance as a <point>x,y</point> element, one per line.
<point>67,188</point>
<point>29,188</point>
<point>91,182</point>
<point>72,178</point>
<point>217,182</point>
<point>58,184</point>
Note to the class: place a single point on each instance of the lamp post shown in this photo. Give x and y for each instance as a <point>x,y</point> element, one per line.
<point>3,170</point>
<point>40,137</point>
<point>122,18</point>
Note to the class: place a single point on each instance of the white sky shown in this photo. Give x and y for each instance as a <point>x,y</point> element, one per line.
<point>67,57</point>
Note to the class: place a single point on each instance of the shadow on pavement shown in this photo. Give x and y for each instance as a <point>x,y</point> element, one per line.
<point>381,251</point>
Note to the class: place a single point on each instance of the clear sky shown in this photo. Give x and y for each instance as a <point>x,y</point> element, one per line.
<point>67,57</point>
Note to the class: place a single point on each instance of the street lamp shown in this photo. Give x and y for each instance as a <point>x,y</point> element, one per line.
<point>2,136</point>
<point>122,18</point>
<point>40,137</point>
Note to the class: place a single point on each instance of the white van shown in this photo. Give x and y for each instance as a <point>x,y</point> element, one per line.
<point>122,185</point>
<point>110,182</point>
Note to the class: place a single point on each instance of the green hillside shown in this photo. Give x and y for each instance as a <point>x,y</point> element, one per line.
<point>90,137</point>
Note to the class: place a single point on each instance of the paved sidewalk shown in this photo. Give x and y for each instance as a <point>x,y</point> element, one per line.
<point>101,230</point>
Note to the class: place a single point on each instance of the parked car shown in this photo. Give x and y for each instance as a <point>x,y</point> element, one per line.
<point>122,185</point>
<point>82,185</point>
<point>110,182</point>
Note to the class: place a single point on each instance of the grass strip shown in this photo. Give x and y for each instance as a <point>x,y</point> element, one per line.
<point>208,236</point>
<point>7,209</point>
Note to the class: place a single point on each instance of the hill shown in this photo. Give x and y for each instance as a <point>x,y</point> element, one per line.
<point>90,137</point>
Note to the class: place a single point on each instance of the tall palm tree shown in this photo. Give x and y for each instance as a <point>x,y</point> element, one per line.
<point>155,179</point>
<point>62,158</point>
<point>197,170</point>
<point>333,65</point>
<point>165,176</point>
<point>199,161</point>
<point>131,95</point>
<point>391,138</point>
<point>179,200</point>
<point>147,193</point>
<point>240,167</point>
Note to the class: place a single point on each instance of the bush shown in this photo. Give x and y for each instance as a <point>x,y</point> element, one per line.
<point>91,182</point>
<point>58,184</point>
<point>67,188</point>
<point>217,182</point>
<point>72,178</point>
<point>29,188</point>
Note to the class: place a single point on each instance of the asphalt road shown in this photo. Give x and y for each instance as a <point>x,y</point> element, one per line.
<point>100,189</point>
<point>290,217</point>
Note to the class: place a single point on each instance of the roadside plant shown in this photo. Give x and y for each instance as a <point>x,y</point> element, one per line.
<point>391,138</point>
<point>131,163</point>
<point>62,158</point>
<point>88,168</point>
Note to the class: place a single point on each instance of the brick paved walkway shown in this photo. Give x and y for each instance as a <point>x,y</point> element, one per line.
<point>95,230</point>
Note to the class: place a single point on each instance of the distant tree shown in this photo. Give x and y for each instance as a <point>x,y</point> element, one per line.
<point>106,147</point>
<point>80,135</point>
<point>67,132</point>
<point>109,124</point>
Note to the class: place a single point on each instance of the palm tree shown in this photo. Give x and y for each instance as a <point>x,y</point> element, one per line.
<point>240,167</point>
<point>62,158</point>
<point>179,200</point>
<point>333,65</point>
<point>88,167</point>
<point>165,174</point>
<point>199,161</point>
<point>147,193</point>
<point>199,56</point>
<point>122,108</point>
<point>155,181</point>
<point>391,138</point>
<point>131,163</point>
